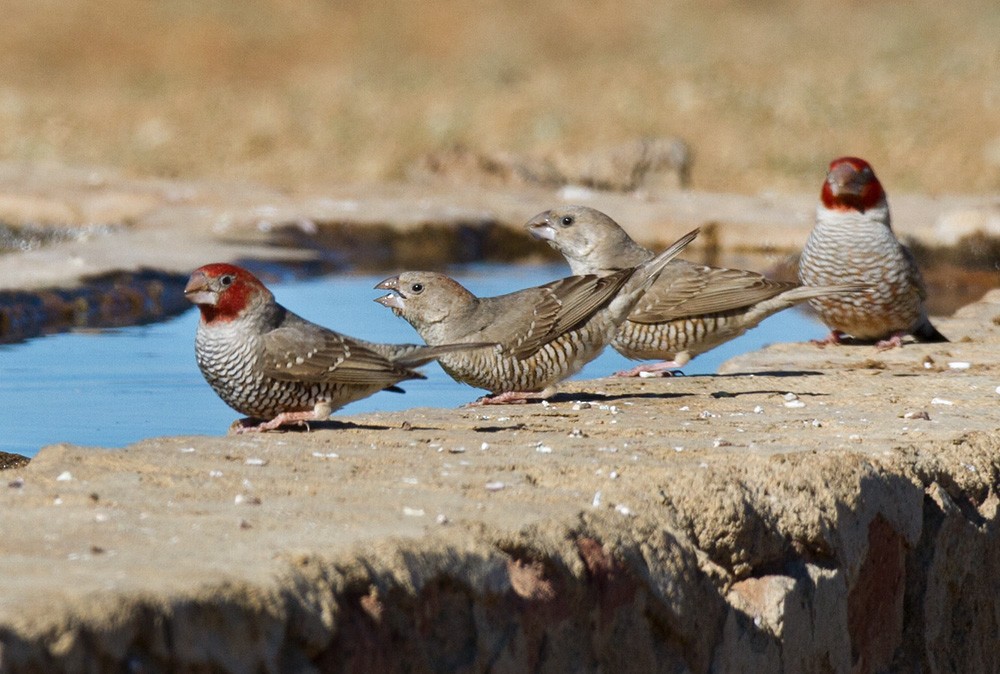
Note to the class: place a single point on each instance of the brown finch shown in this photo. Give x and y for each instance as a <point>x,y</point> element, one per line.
<point>690,309</point>
<point>544,334</point>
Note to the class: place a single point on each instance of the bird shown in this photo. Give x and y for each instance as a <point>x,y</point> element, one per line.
<point>690,309</point>
<point>278,368</point>
<point>852,241</point>
<point>544,334</point>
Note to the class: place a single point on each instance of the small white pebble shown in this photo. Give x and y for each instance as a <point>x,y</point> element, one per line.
<point>57,501</point>
<point>256,462</point>
<point>581,406</point>
<point>494,486</point>
<point>101,517</point>
<point>613,475</point>
<point>854,438</point>
<point>215,473</point>
<point>941,401</point>
<point>678,449</point>
<point>998,389</point>
<point>596,501</point>
<point>623,510</point>
<point>458,450</point>
<point>576,433</point>
<point>413,512</point>
<point>719,442</point>
<point>613,409</point>
<point>794,403</point>
<point>64,476</point>
<point>607,449</point>
<point>959,365</point>
<point>186,450</point>
<point>684,409</point>
<point>790,396</point>
<point>705,414</point>
<point>543,449</point>
<point>484,446</point>
<point>410,480</point>
<point>441,518</point>
<point>816,423</point>
<point>329,455</point>
<point>758,410</point>
<point>546,403</point>
<point>969,467</point>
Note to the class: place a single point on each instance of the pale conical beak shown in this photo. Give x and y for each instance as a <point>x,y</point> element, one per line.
<point>393,300</point>
<point>541,227</point>
<point>198,291</point>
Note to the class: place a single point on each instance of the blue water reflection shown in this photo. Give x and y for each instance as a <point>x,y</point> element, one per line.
<point>111,388</point>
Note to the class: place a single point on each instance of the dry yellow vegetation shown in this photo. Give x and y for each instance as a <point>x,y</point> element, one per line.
<point>301,93</point>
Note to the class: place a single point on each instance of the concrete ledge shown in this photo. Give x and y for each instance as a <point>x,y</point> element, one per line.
<point>830,515</point>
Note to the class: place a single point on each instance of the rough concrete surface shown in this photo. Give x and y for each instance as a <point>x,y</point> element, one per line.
<point>806,510</point>
<point>810,510</point>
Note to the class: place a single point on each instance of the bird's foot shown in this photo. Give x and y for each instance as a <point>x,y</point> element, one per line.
<point>895,341</point>
<point>668,368</point>
<point>511,398</point>
<point>284,419</point>
<point>835,337</point>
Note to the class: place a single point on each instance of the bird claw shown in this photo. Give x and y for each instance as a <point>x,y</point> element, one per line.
<point>895,341</point>
<point>664,369</point>
<point>250,425</point>
<point>835,337</point>
<point>510,398</point>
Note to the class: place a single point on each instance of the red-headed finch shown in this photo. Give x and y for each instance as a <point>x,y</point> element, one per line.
<point>853,242</point>
<point>278,368</point>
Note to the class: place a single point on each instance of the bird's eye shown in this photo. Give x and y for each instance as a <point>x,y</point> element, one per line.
<point>226,280</point>
<point>417,288</point>
<point>566,220</point>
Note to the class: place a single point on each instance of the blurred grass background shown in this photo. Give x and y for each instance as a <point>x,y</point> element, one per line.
<point>302,93</point>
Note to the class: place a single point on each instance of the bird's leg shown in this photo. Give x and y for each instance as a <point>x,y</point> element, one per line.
<point>896,340</point>
<point>283,419</point>
<point>667,368</point>
<point>835,337</point>
<point>512,398</point>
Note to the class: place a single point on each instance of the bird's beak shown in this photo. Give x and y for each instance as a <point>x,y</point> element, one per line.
<point>541,227</point>
<point>844,180</point>
<point>198,291</point>
<point>394,300</point>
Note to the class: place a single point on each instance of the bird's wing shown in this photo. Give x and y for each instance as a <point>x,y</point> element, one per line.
<point>696,290</point>
<point>562,305</point>
<point>301,351</point>
<point>913,271</point>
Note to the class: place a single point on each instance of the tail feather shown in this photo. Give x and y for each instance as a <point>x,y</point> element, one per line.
<point>651,270</point>
<point>926,332</point>
<point>796,295</point>
<point>415,355</point>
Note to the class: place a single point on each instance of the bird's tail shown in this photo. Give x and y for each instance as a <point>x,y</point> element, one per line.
<point>415,355</point>
<point>926,332</point>
<point>801,293</point>
<point>649,271</point>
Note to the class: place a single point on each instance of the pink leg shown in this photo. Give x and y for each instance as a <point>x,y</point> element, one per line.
<point>895,341</point>
<point>246,426</point>
<point>662,369</point>
<point>835,337</point>
<point>511,398</point>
